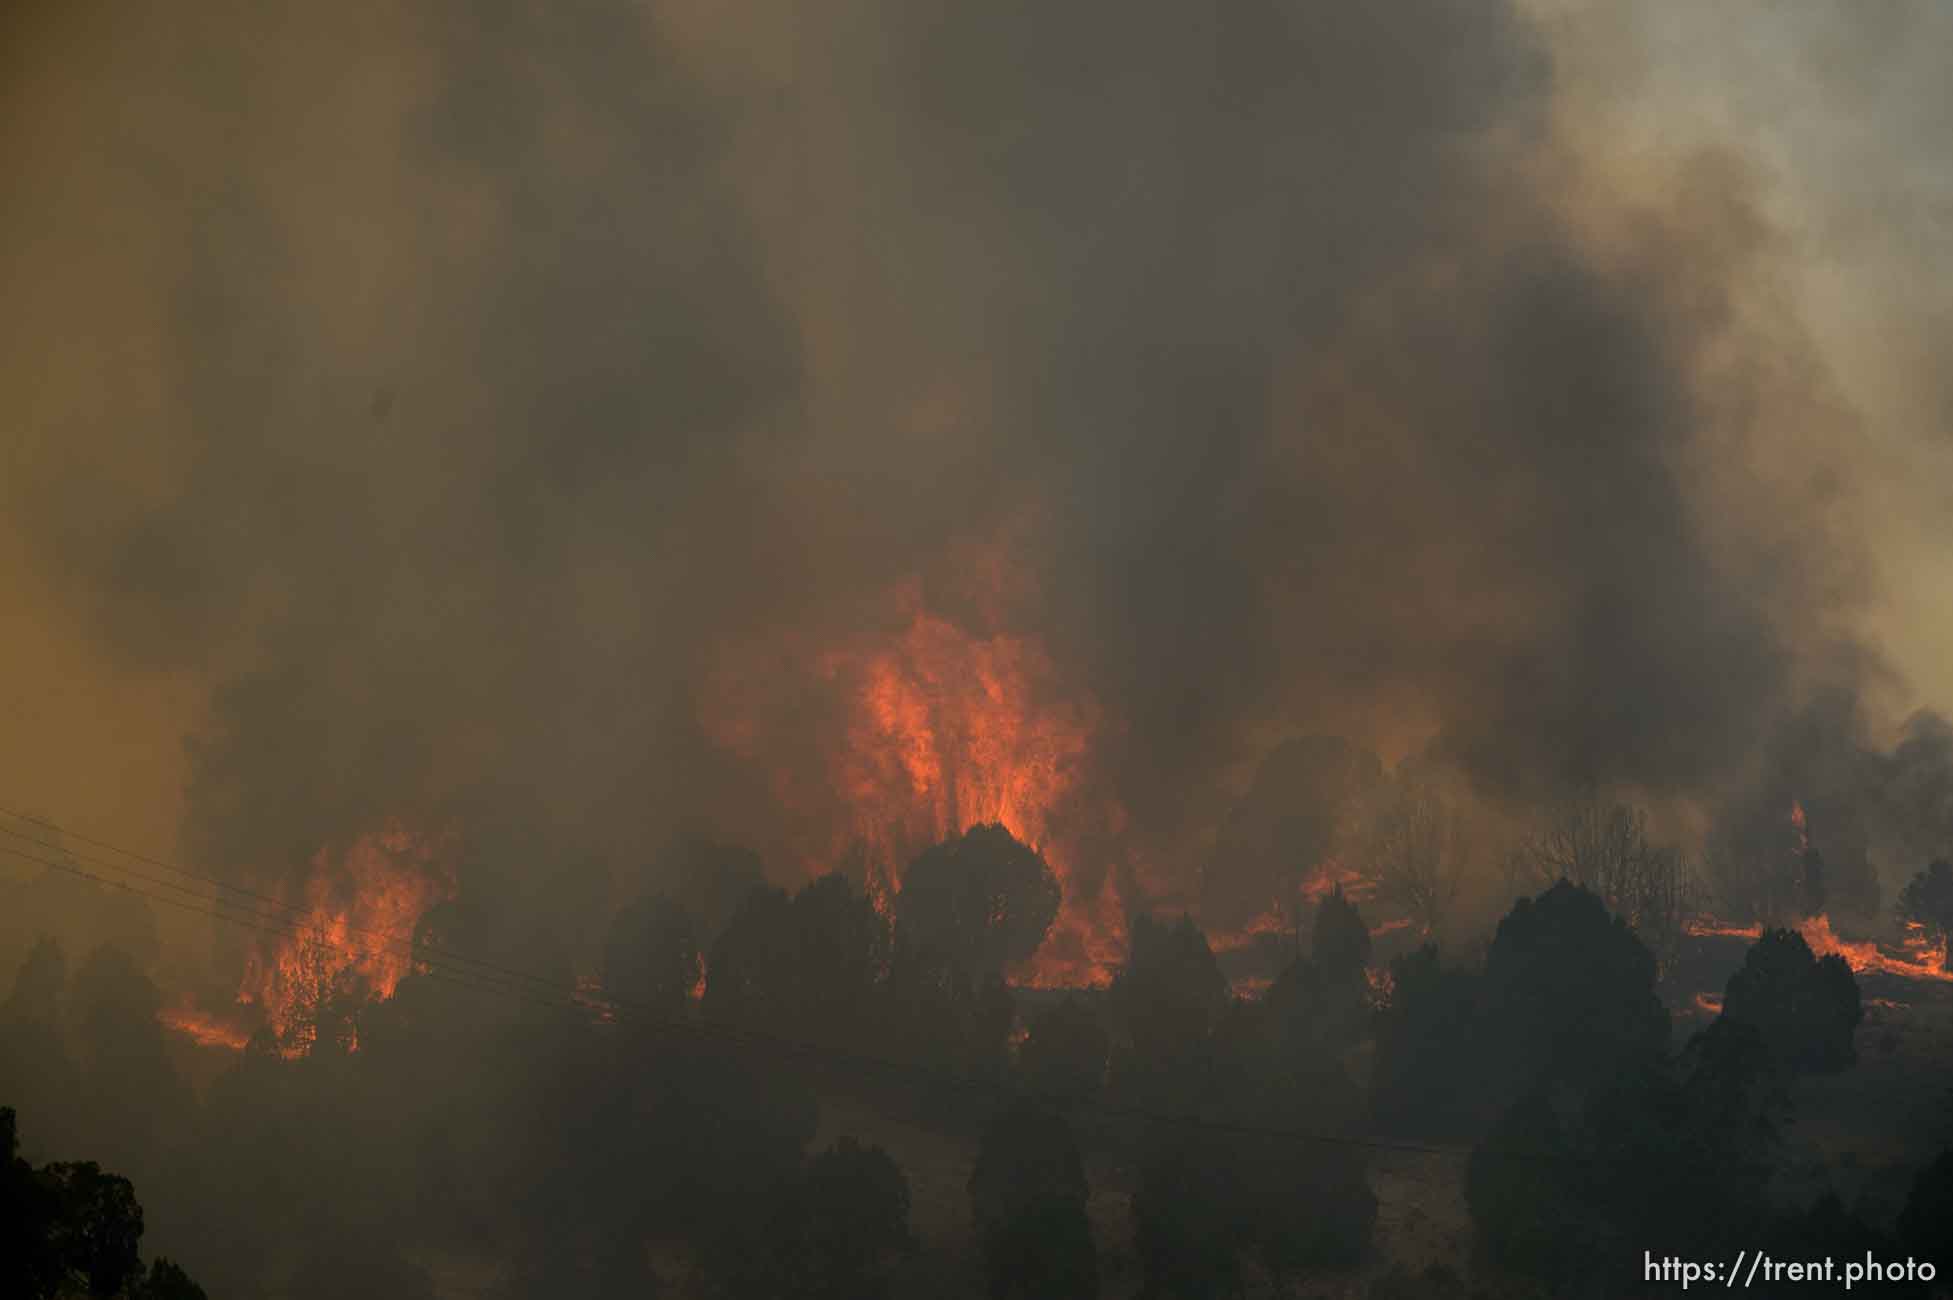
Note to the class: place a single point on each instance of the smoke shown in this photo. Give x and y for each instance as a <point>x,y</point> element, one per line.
<point>463,391</point>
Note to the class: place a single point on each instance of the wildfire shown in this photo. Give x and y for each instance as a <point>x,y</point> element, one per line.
<point>1921,962</point>
<point>1709,1004</point>
<point>1918,959</point>
<point>940,729</point>
<point>202,1028</point>
<point>1269,925</point>
<point>949,733</point>
<point>1708,927</point>
<point>1331,873</point>
<point>350,945</point>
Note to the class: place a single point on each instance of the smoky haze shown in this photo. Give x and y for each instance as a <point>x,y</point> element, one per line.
<point>457,394</point>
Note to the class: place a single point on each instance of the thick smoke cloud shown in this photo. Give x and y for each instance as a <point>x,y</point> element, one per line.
<point>462,388</point>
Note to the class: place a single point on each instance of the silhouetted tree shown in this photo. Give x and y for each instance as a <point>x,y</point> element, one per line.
<point>1028,1194</point>
<point>834,1232</point>
<point>1570,990</point>
<point>1672,1151</point>
<point>1184,1227</point>
<point>802,966</point>
<point>933,1012</point>
<point>982,899</point>
<point>1433,1073</point>
<point>1805,1008</point>
<point>166,1281</point>
<point>36,995</point>
<point>1166,1001</point>
<point>70,1228</point>
<point>1063,1055</point>
<point>1292,1170</point>
<point>1927,900</point>
<point>129,1081</point>
<point>1605,848</point>
<point>1340,944</point>
<point>1928,1211</point>
<point>651,961</point>
<point>1311,1012</point>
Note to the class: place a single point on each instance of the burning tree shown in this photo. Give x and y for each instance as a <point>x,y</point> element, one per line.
<point>322,997</point>
<point>1605,848</point>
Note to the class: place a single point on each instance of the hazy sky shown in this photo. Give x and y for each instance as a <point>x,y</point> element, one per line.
<point>431,398</point>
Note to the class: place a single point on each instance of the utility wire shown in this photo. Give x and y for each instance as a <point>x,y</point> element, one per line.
<point>493,978</point>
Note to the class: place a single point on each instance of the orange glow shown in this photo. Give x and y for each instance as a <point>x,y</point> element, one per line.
<point>1709,1004</point>
<point>1331,872</point>
<point>1087,943</point>
<point>938,729</point>
<point>352,942</point>
<point>1921,961</point>
<point>589,994</point>
<point>1269,924</point>
<point>203,1029</point>
<point>949,732</point>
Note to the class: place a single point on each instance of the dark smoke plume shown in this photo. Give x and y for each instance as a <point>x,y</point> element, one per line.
<point>459,388</point>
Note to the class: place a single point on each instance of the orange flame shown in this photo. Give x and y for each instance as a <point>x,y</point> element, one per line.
<point>1709,927</point>
<point>942,729</point>
<point>1918,958</point>
<point>352,939</point>
<point>202,1028</point>
<point>1921,962</point>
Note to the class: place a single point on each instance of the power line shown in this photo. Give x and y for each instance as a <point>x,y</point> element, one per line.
<point>653,1017</point>
<point>411,949</point>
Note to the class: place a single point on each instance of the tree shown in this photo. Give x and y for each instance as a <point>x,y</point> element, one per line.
<point>1929,1208</point>
<point>1028,1193</point>
<point>833,1232</point>
<point>166,1281</point>
<point>1570,990</point>
<point>805,966</point>
<point>1605,848</point>
<point>1063,1056</point>
<point>1434,1073</point>
<point>982,899</point>
<point>1296,1202</point>
<point>651,962</point>
<point>1184,1227</point>
<point>1927,901</point>
<point>1341,942</point>
<point>1166,1001</point>
<point>37,987</point>
<point>1668,1151</point>
<point>1412,849</point>
<point>1806,1009</point>
<point>70,1228</point>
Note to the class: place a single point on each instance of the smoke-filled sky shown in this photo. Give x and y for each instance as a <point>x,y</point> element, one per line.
<point>434,405</point>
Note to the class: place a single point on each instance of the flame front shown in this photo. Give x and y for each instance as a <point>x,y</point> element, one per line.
<point>949,732</point>
<point>941,729</point>
<point>351,940</point>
